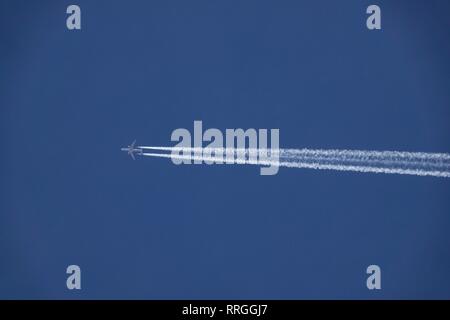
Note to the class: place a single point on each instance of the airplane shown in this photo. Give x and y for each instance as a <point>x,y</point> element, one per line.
<point>131,150</point>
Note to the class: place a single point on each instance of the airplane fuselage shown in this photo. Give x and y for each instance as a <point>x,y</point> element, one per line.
<point>131,150</point>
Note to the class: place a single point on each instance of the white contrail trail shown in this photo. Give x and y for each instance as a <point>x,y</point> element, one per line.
<point>324,152</point>
<point>393,162</point>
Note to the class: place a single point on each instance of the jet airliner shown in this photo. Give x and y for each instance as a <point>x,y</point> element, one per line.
<point>131,150</point>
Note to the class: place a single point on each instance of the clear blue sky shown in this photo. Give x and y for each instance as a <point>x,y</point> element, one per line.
<point>149,229</point>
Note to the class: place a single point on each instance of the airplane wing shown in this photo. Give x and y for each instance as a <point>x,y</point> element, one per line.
<point>132,155</point>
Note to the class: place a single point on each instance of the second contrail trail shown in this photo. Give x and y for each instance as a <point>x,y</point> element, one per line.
<point>391,162</point>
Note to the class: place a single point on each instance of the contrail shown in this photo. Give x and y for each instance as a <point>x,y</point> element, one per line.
<point>393,162</point>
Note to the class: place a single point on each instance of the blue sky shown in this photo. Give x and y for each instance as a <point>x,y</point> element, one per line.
<point>148,229</point>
